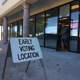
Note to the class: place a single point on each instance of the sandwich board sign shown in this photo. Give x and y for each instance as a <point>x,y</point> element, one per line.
<point>25,49</point>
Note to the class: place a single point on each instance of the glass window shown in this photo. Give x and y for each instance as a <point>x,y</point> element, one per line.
<point>1,32</point>
<point>51,28</point>
<point>20,28</point>
<point>74,20</point>
<point>16,29</point>
<point>9,31</point>
<point>32,26</point>
<point>40,28</point>
<point>13,30</point>
<point>64,11</point>
<point>79,46</point>
<point>74,26</point>
<point>40,25</point>
<point>73,45</point>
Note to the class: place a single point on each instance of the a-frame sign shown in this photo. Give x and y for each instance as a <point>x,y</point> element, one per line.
<point>23,49</point>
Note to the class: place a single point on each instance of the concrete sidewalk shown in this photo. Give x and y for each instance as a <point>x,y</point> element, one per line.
<point>58,65</point>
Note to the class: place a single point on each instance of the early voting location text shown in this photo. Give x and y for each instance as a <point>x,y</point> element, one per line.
<point>25,49</point>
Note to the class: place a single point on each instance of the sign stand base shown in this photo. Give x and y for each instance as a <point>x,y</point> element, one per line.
<point>42,67</point>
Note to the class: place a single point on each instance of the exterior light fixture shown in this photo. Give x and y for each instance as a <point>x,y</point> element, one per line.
<point>75,7</point>
<point>46,15</point>
<point>31,19</point>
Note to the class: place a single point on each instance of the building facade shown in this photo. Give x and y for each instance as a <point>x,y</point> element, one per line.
<point>42,19</point>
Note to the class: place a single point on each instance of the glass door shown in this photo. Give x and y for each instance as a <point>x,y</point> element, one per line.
<point>63,34</point>
<point>63,31</point>
<point>79,32</point>
<point>73,46</point>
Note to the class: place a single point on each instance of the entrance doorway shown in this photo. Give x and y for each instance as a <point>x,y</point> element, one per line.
<point>64,20</point>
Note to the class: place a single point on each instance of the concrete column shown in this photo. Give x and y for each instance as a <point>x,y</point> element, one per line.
<point>5,30</point>
<point>26,19</point>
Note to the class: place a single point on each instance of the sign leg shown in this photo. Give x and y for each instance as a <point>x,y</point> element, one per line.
<point>43,69</point>
<point>17,75</point>
<point>27,66</point>
<point>4,67</point>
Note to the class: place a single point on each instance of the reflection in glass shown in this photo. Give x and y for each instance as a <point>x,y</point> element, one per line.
<point>64,11</point>
<point>51,28</point>
<point>40,27</point>
<point>9,32</point>
<point>1,32</point>
<point>74,20</point>
<point>74,26</point>
<point>13,30</point>
<point>32,26</point>
<point>41,41</point>
<point>79,46</point>
<point>20,28</point>
<point>73,45</point>
<point>51,41</point>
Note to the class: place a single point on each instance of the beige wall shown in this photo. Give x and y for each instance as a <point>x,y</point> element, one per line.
<point>12,6</point>
<point>7,6</point>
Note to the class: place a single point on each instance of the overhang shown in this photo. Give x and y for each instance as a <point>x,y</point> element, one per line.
<point>36,7</point>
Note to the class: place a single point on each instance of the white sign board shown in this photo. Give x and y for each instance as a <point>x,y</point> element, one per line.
<point>25,49</point>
